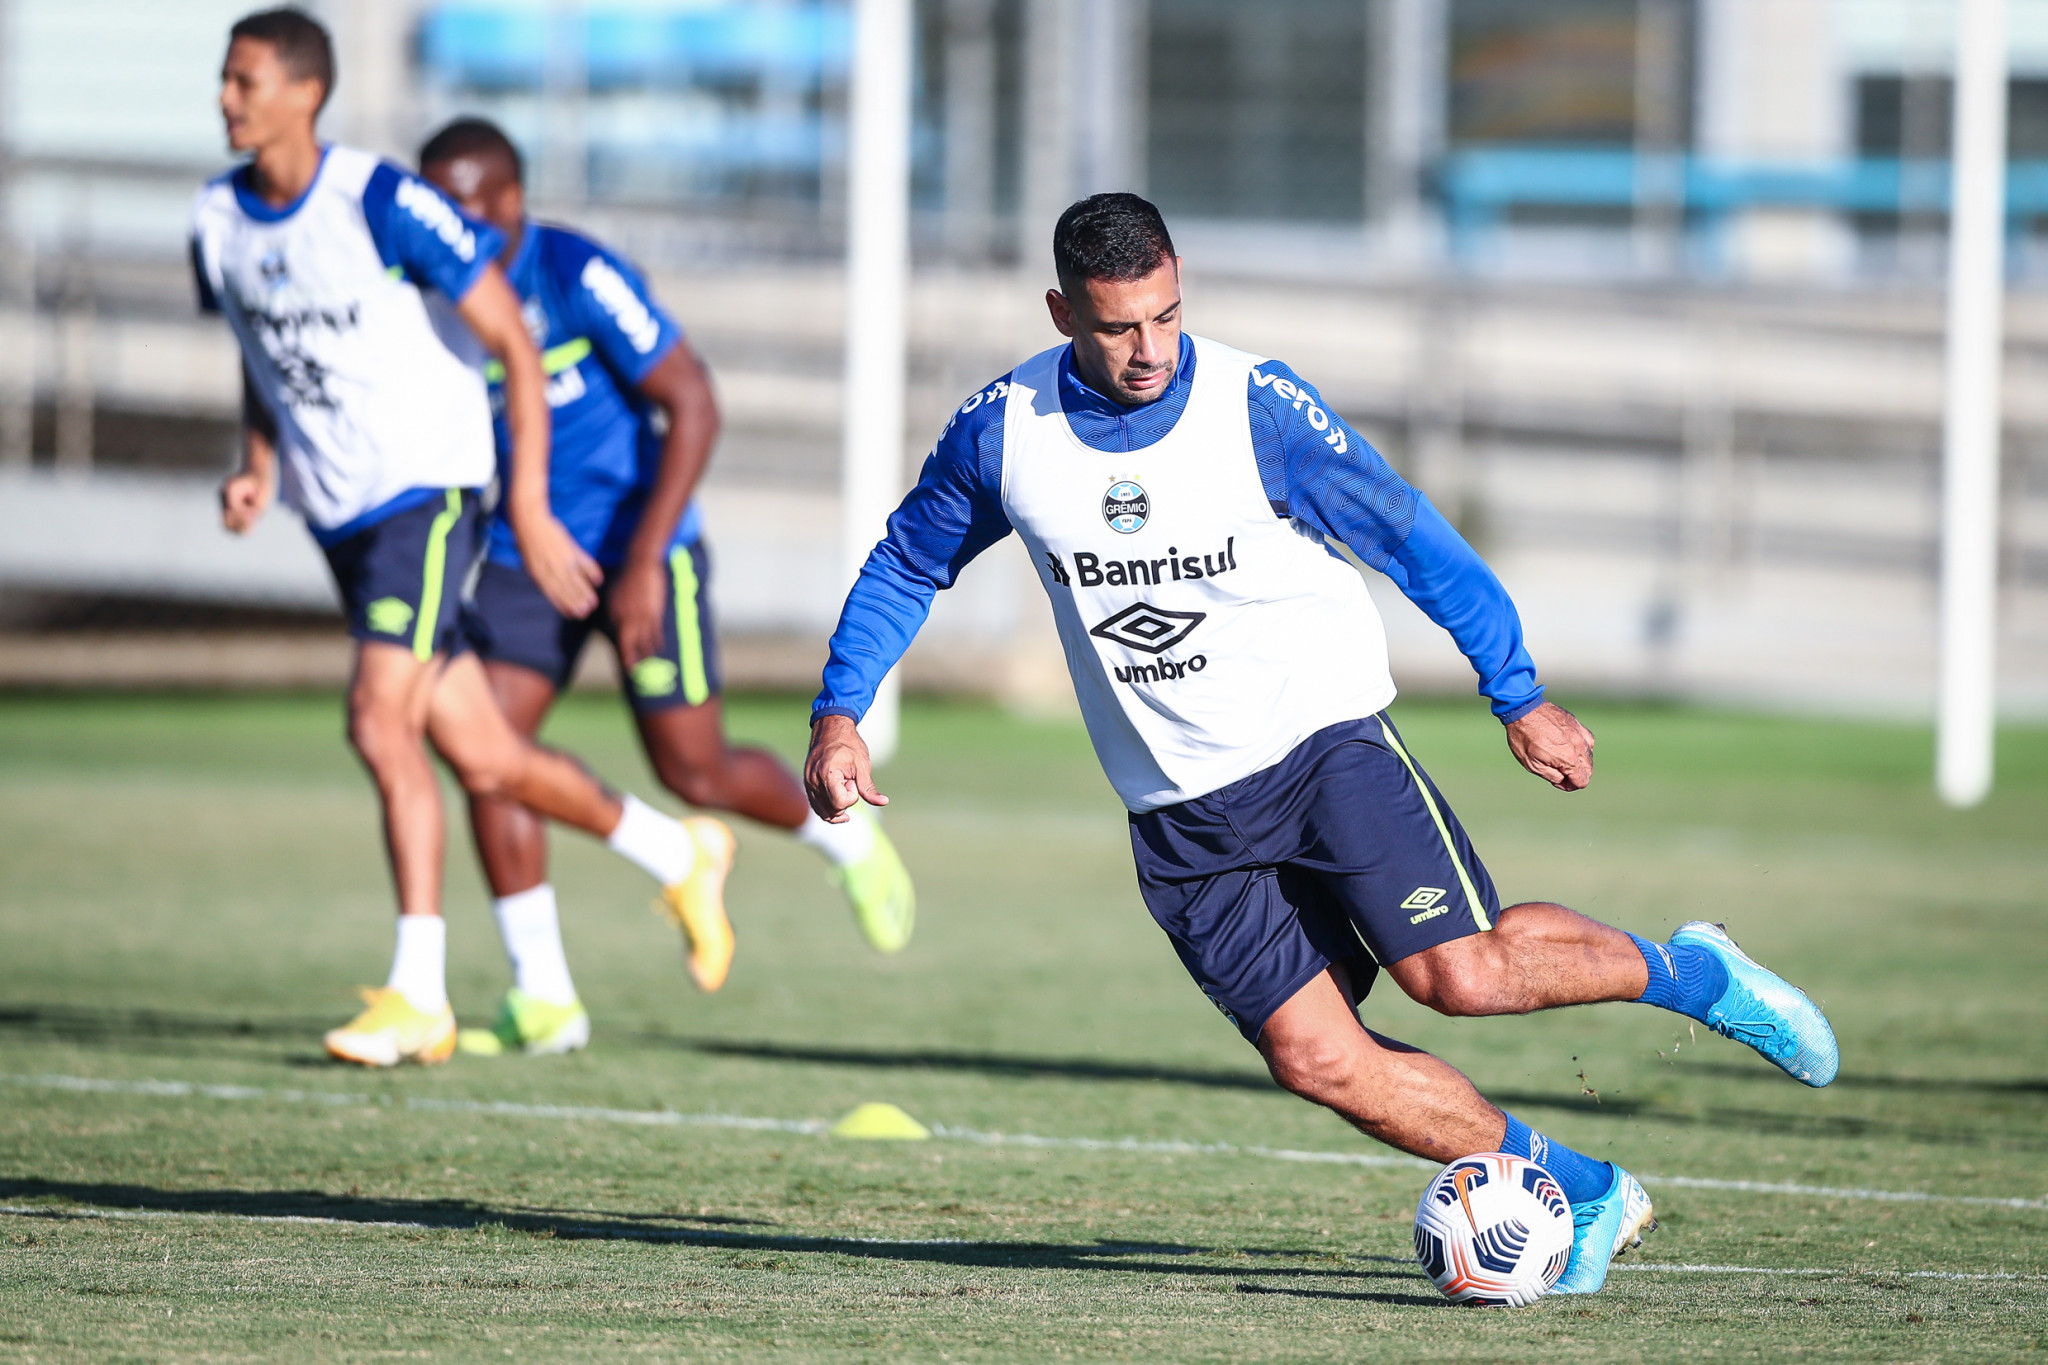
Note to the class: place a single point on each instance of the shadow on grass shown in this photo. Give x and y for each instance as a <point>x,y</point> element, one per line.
<point>95,1199</point>
<point>1617,1107</point>
<point>87,1024</point>
<point>141,1028</point>
<point>1963,1132</point>
<point>978,1063</point>
<point>1854,1080</point>
<point>1292,1291</point>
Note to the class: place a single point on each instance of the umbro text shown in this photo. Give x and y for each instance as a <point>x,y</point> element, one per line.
<point>1166,670</point>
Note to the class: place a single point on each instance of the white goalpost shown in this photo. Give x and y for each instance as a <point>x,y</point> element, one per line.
<point>877,281</point>
<point>1966,709</point>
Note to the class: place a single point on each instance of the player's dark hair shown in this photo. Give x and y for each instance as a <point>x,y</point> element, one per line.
<point>472,137</point>
<point>299,40</point>
<point>1109,237</point>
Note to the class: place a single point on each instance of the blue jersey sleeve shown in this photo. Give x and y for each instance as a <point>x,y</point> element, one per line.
<point>419,231</point>
<point>953,514</point>
<point>1320,471</point>
<point>611,305</point>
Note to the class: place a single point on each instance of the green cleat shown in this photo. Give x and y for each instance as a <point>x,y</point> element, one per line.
<point>528,1024</point>
<point>878,886</point>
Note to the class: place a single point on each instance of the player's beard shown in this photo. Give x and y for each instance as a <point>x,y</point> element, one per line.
<point>1132,398</point>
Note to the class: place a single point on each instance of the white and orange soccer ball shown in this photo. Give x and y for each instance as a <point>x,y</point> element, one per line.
<point>1493,1229</point>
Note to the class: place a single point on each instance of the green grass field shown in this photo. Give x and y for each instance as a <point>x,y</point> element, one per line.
<point>190,888</point>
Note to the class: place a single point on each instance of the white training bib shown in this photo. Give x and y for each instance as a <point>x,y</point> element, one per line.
<point>370,394</point>
<point>1207,636</point>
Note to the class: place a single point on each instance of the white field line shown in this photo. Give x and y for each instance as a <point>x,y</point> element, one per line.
<point>1693,1182</point>
<point>1173,1147</point>
<point>713,1235</point>
<point>1664,1268</point>
<point>817,1127</point>
<point>658,1118</point>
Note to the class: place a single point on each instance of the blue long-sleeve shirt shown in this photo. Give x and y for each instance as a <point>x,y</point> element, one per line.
<point>1329,478</point>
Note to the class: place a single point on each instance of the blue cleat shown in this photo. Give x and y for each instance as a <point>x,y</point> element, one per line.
<point>1766,1011</point>
<point>1602,1230</point>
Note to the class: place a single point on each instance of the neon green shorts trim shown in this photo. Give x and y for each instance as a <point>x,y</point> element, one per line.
<point>401,578</point>
<point>511,622</point>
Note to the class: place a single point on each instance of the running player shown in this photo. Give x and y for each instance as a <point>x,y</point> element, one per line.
<point>1187,506</point>
<point>343,279</point>
<point>634,424</point>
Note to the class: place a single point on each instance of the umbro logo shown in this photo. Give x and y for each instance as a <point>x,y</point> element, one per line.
<point>1427,901</point>
<point>1146,627</point>
<point>388,615</point>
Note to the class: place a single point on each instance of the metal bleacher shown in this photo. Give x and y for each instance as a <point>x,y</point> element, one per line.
<point>1484,188</point>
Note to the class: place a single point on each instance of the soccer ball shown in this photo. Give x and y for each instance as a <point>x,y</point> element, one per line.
<point>1493,1229</point>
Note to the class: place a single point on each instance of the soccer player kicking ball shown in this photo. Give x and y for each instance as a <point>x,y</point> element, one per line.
<point>347,283</point>
<point>634,421</point>
<point>1186,506</point>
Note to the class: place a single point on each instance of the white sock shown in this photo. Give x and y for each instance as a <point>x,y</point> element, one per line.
<point>419,964</point>
<point>843,844</point>
<point>533,940</point>
<point>657,845</point>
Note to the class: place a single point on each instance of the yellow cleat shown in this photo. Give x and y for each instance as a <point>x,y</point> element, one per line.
<point>879,889</point>
<point>697,903</point>
<point>529,1024</point>
<point>391,1031</point>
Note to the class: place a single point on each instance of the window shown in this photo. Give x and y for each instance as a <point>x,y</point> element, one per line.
<point>1257,111</point>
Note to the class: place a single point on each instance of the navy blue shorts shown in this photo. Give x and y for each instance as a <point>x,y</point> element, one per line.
<point>1342,852</point>
<point>512,622</point>
<point>402,579</point>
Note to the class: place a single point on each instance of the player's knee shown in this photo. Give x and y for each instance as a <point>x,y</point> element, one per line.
<point>489,770</point>
<point>491,778</point>
<point>379,733</point>
<point>697,784</point>
<point>1463,978</point>
<point>1471,987</point>
<point>1315,1068</point>
<point>1463,996</point>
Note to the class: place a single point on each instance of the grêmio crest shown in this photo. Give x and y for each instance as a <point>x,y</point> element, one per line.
<point>1125,507</point>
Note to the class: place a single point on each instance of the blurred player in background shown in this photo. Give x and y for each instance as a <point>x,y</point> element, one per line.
<point>348,284</point>
<point>634,422</point>
<point>1190,509</point>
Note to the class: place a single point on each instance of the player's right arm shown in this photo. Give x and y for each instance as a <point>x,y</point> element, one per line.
<point>565,574</point>
<point>953,514</point>
<point>419,231</point>
<point>247,492</point>
<point>607,301</point>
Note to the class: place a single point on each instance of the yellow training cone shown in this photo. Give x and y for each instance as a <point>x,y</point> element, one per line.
<point>878,1120</point>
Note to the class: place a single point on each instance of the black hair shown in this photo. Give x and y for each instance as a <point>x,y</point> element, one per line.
<point>300,41</point>
<point>472,137</point>
<point>1109,237</point>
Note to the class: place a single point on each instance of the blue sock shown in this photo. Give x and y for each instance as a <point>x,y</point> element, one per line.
<point>1683,978</point>
<point>1580,1177</point>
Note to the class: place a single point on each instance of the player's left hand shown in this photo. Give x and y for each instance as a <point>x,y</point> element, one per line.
<point>638,598</point>
<point>839,771</point>
<point>243,497</point>
<point>1551,743</point>
<point>567,576</point>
